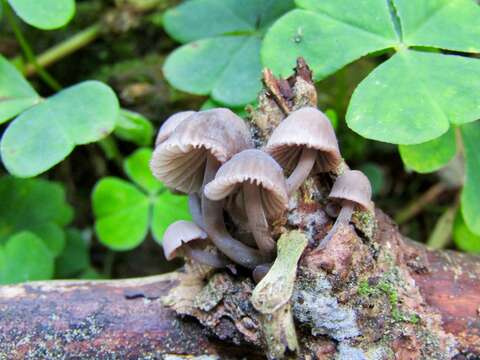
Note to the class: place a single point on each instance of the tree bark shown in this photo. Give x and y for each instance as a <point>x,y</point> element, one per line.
<point>370,294</point>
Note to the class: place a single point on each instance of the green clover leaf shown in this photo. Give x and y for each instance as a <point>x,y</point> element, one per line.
<point>124,211</point>
<point>134,127</point>
<point>465,239</point>
<point>431,155</point>
<point>75,257</point>
<point>37,206</point>
<point>46,133</point>
<point>44,14</point>
<point>24,257</point>
<point>222,54</point>
<point>444,24</point>
<point>16,94</point>
<point>471,191</point>
<point>414,96</point>
<point>328,34</point>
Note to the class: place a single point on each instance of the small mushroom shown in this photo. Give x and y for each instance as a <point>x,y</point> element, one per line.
<point>183,238</point>
<point>261,180</point>
<point>351,189</point>
<point>260,271</point>
<point>169,125</point>
<point>306,136</point>
<point>167,129</point>
<point>191,156</point>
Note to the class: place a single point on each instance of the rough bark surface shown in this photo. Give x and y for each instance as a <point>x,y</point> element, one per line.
<point>370,294</point>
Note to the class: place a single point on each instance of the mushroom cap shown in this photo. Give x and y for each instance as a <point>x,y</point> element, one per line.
<point>180,160</point>
<point>256,167</point>
<point>353,186</point>
<point>306,127</point>
<point>170,125</point>
<point>179,233</point>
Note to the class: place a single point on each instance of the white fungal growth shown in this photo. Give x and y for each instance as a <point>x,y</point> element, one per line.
<point>323,313</point>
<point>347,352</point>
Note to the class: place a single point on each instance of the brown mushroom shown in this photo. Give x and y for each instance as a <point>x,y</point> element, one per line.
<point>306,136</point>
<point>192,155</point>
<point>183,238</point>
<point>351,189</point>
<point>167,129</point>
<point>169,125</point>
<point>260,271</point>
<point>261,180</point>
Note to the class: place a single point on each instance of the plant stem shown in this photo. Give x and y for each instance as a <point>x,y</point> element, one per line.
<point>78,41</point>
<point>27,50</point>
<point>108,263</point>
<point>417,205</point>
<point>110,148</point>
<point>442,232</point>
<point>64,48</point>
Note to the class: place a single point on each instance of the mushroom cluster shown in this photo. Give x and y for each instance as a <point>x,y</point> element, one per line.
<point>210,156</point>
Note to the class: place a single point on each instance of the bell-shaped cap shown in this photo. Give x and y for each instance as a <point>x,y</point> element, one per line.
<point>256,167</point>
<point>170,125</point>
<point>180,233</point>
<point>306,127</point>
<point>180,160</point>
<point>353,186</point>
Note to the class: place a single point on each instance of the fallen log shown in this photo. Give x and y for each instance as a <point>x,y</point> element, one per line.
<point>131,319</point>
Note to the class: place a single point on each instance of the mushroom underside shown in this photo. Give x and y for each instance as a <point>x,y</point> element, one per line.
<point>215,226</point>
<point>257,221</point>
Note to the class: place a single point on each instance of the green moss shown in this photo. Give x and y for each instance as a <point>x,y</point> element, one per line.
<point>383,287</point>
<point>365,222</point>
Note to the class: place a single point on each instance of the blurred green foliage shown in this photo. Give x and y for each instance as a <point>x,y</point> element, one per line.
<point>125,211</point>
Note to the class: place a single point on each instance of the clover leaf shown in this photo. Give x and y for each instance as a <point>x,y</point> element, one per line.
<point>414,96</point>
<point>16,94</point>
<point>44,14</point>
<point>222,54</point>
<point>36,205</point>
<point>74,258</point>
<point>46,133</point>
<point>444,24</point>
<point>328,34</point>
<point>465,239</point>
<point>431,155</point>
<point>24,257</point>
<point>471,191</point>
<point>134,127</point>
<point>124,211</point>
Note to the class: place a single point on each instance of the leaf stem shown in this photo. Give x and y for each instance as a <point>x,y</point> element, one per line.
<point>108,263</point>
<point>64,48</point>
<point>27,50</point>
<point>420,203</point>
<point>79,40</point>
<point>110,148</point>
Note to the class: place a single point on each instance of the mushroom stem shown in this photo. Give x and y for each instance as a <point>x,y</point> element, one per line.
<point>260,271</point>
<point>195,208</point>
<point>215,227</point>
<point>301,172</point>
<point>204,257</point>
<point>342,219</point>
<point>257,222</point>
